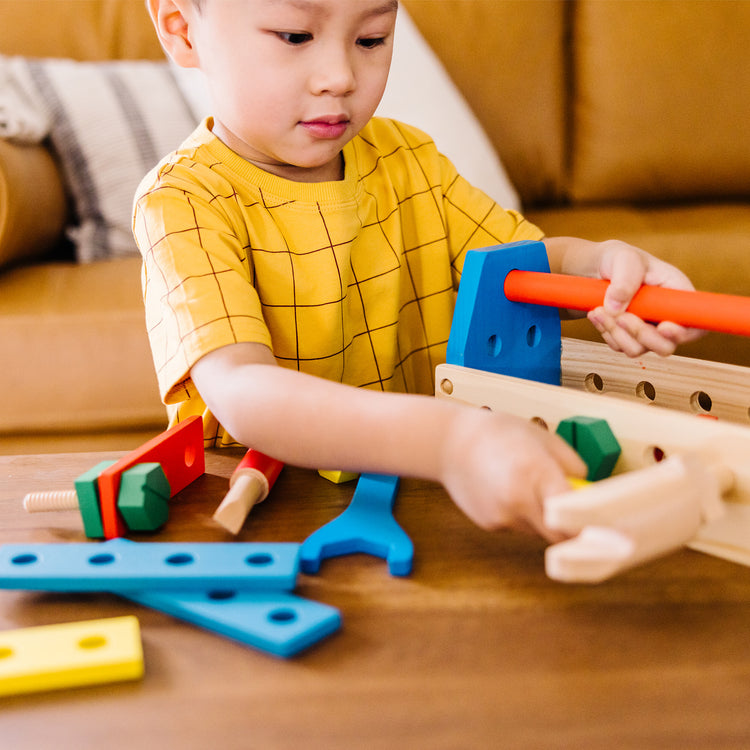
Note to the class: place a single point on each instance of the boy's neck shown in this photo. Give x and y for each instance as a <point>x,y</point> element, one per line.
<point>330,172</point>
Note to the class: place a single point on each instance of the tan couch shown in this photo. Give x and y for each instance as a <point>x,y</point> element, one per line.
<point>613,119</point>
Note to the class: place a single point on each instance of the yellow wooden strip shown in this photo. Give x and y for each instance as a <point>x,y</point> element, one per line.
<point>51,657</point>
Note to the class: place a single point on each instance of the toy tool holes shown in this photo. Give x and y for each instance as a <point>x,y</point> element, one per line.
<point>26,558</point>
<point>700,402</point>
<point>5,652</point>
<point>540,422</point>
<point>593,383</point>
<point>494,345</point>
<point>533,336</point>
<point>259,559</point>
<point>654,455</point>
<point>221,595</point>
<point>645,390</point>
<point>91,642</point>
<point>180,558</point>
<point>446,386</point>
<point>103,558</point>
<point>282,616</point>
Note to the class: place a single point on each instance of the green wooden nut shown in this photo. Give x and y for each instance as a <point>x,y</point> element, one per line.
<point>594,442</point>
<point>143,499</point>
<point>87,491</point>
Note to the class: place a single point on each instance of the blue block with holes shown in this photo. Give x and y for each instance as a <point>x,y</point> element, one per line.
<point>491,333</point>
<point>123,565</point>
<point>274,621</point>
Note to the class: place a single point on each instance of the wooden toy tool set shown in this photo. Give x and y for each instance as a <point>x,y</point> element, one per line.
<point>673,466</point>
<point>679,475</point>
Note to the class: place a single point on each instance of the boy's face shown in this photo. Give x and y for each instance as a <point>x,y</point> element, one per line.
<point>292,81</point>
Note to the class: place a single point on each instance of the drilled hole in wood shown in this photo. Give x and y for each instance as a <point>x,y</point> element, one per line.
<point>446,386</point>
<point>645,390</point>
<point>593,383</point>
<point>540,422</point>
<point>654,454</point>
<point>700,402</point>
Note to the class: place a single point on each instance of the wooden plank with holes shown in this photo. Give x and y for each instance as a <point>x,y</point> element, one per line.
<point>646,433</point>
<point>693,385</point>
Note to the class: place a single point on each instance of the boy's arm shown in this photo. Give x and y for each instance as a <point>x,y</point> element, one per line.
<point>627,268</point>
<point>497,468</point>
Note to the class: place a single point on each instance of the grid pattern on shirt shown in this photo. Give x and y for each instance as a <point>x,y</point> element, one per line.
<point>352,281</point>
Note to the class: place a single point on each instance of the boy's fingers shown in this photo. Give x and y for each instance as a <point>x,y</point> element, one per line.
<point>677,333</point>
<point>637,336</point>
<point>626,278</point>
<point>629,334</point>
<point>615,337</point>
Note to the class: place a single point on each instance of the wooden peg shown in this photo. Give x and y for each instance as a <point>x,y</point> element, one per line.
<point>249,485</point>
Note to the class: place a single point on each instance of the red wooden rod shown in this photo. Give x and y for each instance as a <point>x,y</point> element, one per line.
<point>705,310</point>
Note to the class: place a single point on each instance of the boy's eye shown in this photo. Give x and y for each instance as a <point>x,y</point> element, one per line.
<point>294,37</point>
<point>370,43</point>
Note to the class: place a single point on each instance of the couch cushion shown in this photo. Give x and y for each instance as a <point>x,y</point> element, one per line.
<point>80,29</point>
<point>507,58</point>
<point>75,351</point>
<point>32,202</point>
<point>662,100</point>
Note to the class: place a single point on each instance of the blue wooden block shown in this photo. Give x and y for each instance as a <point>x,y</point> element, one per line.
<point>123,565</point>
<point>273,621</point>
<point>367,525</point>
<point>491,333</point>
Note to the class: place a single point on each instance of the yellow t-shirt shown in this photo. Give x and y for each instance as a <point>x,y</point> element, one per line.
<point>352,280</point>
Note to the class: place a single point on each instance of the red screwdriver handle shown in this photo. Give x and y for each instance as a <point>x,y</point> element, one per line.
<point>708,311</point>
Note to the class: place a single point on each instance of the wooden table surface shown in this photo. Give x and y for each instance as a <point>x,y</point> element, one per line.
<point>475,649</point>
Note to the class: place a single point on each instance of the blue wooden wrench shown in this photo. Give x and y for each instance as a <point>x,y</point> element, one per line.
<point>367,525</point>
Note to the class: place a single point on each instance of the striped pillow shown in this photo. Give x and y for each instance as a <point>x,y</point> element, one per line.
<point>110,123</point>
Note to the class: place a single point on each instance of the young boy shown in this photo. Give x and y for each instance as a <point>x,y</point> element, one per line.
<point>292,229</point>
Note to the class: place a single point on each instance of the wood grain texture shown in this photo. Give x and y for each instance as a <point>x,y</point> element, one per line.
<point>476,649</point>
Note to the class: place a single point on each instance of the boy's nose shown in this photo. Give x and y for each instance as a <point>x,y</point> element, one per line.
<point>334,74</point>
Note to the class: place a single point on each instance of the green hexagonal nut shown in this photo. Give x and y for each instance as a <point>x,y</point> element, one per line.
<point>593,440</point>
<point>143,499</point>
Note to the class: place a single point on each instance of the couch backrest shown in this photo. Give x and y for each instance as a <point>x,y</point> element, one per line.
<point>79,29</point>
<point>508,57</point>
<point>589,100</point>
<point>661,100</point>
<point>505,55</point>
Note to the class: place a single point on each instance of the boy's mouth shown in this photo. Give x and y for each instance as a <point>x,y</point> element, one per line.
<point>326,127</point>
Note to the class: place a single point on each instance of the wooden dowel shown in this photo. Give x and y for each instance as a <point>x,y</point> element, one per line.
<point>708,311</point>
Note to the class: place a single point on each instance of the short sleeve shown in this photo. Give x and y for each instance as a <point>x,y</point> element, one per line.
<point>197,280</point>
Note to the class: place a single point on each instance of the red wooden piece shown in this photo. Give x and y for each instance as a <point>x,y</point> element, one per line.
<point>257,461</point>
<point>180,452</point>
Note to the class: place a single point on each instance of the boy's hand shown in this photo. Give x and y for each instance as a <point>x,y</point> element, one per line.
<point>627,268</point>
<point>499,468</point>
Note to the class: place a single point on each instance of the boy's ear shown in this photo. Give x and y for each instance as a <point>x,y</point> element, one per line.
<point>172,19</point>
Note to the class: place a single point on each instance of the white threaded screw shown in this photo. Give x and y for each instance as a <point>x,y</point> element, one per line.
<point>38,502</point>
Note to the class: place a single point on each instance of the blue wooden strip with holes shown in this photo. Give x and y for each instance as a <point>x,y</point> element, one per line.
<point>276,622</point>
<point>123,565</point>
